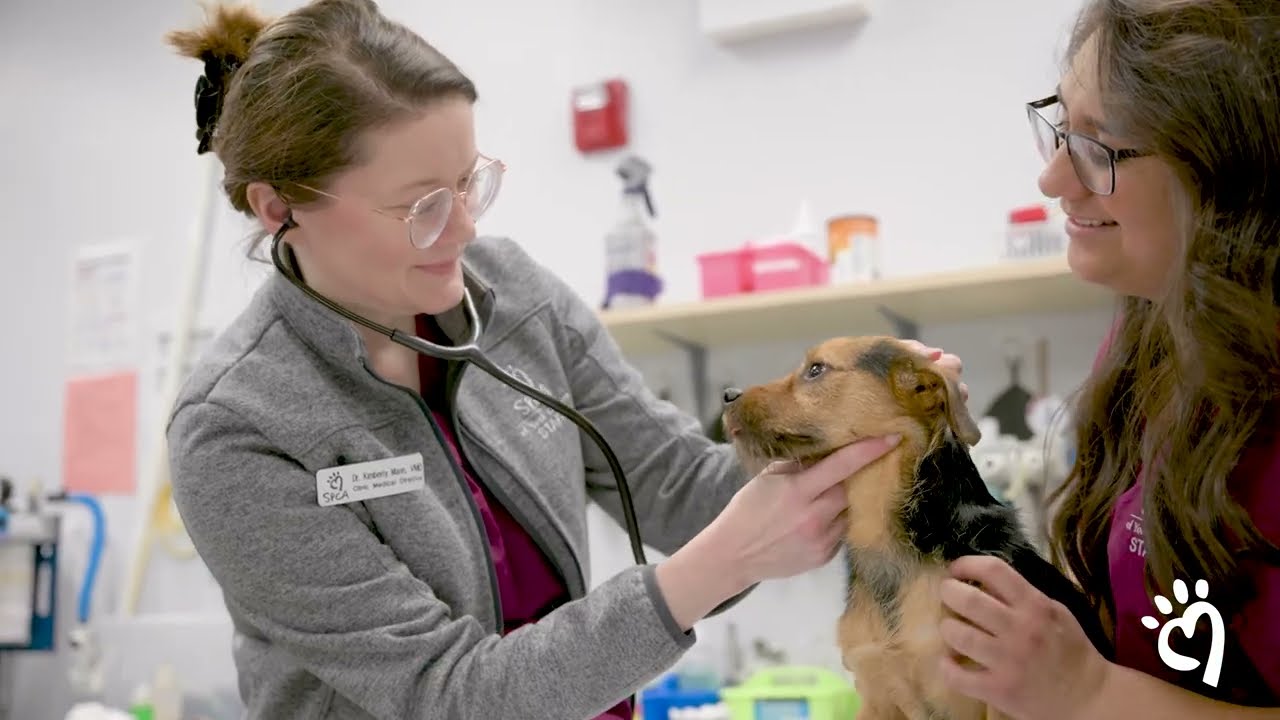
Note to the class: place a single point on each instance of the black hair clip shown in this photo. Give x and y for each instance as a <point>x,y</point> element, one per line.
<point>208,97</point>
<point>206,113</point>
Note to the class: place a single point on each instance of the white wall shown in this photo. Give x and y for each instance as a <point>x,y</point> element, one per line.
<point>916,116</point>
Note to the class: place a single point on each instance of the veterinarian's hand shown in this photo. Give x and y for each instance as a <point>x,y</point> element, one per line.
<point>1034,662</point>
<point>943,358</point>
<point>788,520</point>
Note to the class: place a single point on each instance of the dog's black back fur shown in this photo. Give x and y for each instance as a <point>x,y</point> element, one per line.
<point>951,513</point>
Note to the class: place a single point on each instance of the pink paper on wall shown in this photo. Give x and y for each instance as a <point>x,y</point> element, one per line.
<point>99,434</point>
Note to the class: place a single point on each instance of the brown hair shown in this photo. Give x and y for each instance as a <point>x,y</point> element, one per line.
<point>286,102</point>
<point>1189,377</point>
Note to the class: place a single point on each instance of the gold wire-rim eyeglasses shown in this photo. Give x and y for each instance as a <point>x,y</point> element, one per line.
<point>484,164</point>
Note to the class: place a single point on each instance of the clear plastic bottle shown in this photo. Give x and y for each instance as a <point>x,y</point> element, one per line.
<point>140,705</point>
<point>166,694</point>
<point>631,246</point>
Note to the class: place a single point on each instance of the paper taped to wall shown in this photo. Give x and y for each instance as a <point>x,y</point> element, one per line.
<point>100,431</point>
<point>104,308</point>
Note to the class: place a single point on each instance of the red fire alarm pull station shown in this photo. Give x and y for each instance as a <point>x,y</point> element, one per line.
<point>600,115</point>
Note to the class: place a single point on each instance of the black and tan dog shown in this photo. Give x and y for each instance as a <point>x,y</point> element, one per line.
<point>911,511</point>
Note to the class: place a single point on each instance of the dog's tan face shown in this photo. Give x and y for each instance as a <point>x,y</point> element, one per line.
<point>847,389</point>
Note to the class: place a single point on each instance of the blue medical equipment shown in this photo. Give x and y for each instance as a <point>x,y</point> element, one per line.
<point>36,530</point>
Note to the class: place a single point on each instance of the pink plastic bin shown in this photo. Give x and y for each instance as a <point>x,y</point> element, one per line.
<point>760,267</point>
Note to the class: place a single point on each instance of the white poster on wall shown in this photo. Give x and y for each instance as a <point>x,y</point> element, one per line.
<point>104,308</point>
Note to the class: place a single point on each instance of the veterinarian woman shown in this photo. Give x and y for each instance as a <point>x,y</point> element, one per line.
<point>1163,146</point>
<point>467,596</point>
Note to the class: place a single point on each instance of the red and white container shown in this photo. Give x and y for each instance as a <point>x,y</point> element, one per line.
<point>1034,231</point>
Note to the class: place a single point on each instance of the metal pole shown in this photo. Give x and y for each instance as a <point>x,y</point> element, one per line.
<point>153,490</point>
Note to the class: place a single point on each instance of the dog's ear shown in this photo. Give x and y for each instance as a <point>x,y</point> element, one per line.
<point>927,390</point>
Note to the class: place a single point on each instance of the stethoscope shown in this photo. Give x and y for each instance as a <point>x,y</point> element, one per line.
<point>469,351</point>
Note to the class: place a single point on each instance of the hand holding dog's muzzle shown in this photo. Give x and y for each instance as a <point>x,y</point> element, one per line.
<point>790,519</point>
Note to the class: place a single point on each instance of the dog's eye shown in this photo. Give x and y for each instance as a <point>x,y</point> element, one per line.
<point>814,370</point>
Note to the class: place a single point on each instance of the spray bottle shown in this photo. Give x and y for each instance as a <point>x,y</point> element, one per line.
<point>631,246</point>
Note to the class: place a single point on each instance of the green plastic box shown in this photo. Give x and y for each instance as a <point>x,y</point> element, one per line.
<point>792,693</point>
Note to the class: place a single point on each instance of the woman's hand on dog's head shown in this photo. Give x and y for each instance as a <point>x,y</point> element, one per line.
<point>944,359</point>
<point>788,520</point>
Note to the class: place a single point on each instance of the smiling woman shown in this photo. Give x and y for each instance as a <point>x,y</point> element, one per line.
<point>397,537</point>
<point>1163,146</point>
<point>1120,201</point>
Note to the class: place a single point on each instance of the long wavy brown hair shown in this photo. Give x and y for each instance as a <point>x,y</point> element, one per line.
<point>1190,378</point>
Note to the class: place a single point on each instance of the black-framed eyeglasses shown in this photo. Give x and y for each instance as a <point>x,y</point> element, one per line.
<point>1093,160</point>
<point>428,215</point>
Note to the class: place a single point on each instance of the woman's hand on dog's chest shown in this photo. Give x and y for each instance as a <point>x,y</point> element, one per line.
<point>1018,646</point>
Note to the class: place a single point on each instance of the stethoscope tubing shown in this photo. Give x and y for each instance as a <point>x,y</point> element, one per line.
<point>469,351</point>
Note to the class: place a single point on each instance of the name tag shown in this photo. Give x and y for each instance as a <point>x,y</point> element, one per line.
<point>368,480</point>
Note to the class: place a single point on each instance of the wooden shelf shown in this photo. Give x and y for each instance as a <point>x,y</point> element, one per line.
<point>1015,287</point>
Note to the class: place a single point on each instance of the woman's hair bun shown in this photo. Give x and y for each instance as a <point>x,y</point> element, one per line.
<point>222,43</point>
<point>227,34</point>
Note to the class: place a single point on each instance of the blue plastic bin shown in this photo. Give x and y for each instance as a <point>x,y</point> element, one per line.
<point>664,695</point>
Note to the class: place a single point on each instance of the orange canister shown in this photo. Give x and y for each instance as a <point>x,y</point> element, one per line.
<point>853,247</point>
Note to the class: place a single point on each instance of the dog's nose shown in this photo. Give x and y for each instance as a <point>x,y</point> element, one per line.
<point>731,394</point>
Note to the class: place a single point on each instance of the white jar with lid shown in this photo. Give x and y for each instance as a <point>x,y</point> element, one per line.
<point>1033,232</point>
